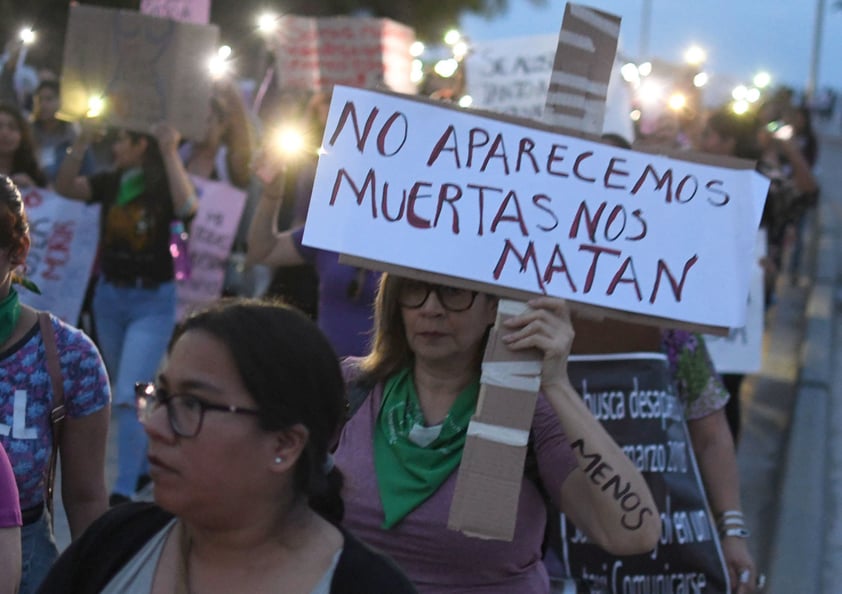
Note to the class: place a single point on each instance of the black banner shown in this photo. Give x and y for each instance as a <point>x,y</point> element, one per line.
<point>633,397</point>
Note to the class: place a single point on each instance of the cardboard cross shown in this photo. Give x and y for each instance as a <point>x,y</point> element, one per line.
<point>485,502</point>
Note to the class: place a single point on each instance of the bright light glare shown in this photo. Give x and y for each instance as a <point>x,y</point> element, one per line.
<point>452,37</point>
<point>762,80</point>
<point>224,52</point>
<point>288,140</point>
<point>740,107</point>
<point>27,35</point>
<point>701,79</point>
<point>218,66</point>
<point>466,101</point>
<point>446,68</point>
<point>650,92</point>
<point>416,49</point>
<point>695,55</point>
<point>753,95</point>
<point>460,50</point>
<point>739,93</point>
<point>630,73</point>
<point>96,105</point>
<point>635,115</point>
<point>677,101</point>
<point>645,69</point>
<point>267,22</point>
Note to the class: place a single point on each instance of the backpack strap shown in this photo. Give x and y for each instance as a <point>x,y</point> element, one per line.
<point>57,413</point>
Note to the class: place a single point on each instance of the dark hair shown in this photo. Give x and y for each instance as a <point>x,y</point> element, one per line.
<point>741,128</point>
<point>154,171</point>
<point>616,140</point>
<point>14,226</point>
<point>52,85</point>
<point>24,159</point>
<point>293,374</point>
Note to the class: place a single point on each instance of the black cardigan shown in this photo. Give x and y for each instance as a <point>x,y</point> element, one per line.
<point>109,543</point>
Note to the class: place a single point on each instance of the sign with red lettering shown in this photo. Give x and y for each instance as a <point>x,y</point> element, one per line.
<point>426,186</point>
<point>190,11</point>
<point>317,53</point>
<point>64,235</point>
<point>212,234</point>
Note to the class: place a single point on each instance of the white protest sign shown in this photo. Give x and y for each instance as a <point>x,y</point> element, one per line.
<point>741,351</point>
<point>429,187</point>
<point>511,76</point>
<point>189,11</point>
<point>212,234</point>
<point>64,235</point>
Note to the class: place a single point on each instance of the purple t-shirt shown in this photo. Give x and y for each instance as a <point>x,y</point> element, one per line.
<point>346,299</point>
<point>9,502</point>
<point>26,396</point>
<point>442,561</point>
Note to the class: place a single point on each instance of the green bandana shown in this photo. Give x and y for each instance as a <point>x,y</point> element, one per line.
<point>409,473</point>
<point>9,314</point>
<point>132,185</point>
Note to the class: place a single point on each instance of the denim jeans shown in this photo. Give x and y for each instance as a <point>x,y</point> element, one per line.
<point>38,553</point>
<point>133,327</point>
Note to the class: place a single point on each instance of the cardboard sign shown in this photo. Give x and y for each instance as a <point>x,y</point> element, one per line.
<point>188,11</point>
<point>148,69</point>
<point>212,233</point>
<point>64,235</point>
<point>508,204</point>
<point>741,351</point>
<point>632,396</point>
<point>317,53</point>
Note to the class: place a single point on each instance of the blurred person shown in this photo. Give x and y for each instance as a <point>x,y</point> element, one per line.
<point>17,79</point>
<point>53,136</point>
<point>134,301</point>
<point>26,401</point>
<point>17,150</point>
<point>10,522</point>
<point>225,153</point>
<point>345,293</point>
<point>401,450</point>
<point>239,421</point>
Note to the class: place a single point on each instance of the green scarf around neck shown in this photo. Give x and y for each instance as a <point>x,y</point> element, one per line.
<point>409,473</point>
<point>132,185</point>
<point>9,315</point>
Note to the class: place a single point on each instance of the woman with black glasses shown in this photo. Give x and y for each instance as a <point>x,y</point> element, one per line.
<point>403,445</point>
<point>239,423</point>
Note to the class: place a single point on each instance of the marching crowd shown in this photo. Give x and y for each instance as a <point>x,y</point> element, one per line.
<point>238,413</point>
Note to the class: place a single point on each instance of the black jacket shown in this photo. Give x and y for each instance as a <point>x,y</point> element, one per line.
<point>109,543</point>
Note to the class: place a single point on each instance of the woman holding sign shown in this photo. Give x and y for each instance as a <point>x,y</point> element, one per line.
<point>135,299</point>
<point>402,447</point>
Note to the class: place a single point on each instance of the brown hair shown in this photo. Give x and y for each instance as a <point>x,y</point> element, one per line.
<point>24,159</point>
<point>14,227</point>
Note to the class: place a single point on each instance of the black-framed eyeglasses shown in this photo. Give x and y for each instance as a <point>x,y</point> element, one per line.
<point>414,294</point>
<point>185,413</point>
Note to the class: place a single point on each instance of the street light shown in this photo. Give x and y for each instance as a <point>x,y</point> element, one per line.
<point>416,49</point>
<point>700,80</point>
<point>452,37</point>
<point>695,55</point>
<point>762,80</point>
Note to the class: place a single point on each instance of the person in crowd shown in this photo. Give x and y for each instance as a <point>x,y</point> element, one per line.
<point>402,448</point>
<point>239,421</point>
<point>225,153</point>
<point>17,149</point>
<point>134,302</point>
<point>803,133</point>
<point>10,522</point>
<point>26,397</point>
<point>53,136</point>
<point>345,293</point>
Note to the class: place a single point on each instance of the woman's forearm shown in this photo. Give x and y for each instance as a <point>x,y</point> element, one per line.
<point>182,192</point>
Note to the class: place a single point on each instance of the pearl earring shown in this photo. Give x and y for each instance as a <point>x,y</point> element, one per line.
<point>278,459</point>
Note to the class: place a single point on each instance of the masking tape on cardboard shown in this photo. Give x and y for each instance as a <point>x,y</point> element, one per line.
<point>517,375</point>
<point>498,433</point>
<point>583,42</point>
<point>594,19</point>
<point>576,101</point>
<point>582,83</point>
<point>511,307</point>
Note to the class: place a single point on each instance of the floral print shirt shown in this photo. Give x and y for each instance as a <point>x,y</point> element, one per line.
<point>697,383</point>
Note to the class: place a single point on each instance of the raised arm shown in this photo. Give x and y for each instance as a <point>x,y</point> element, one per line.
<point>68,181</point>
<point>626,526</point>
<point>265,244</point>
<point>181,188</point>
<point>239,136</point>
